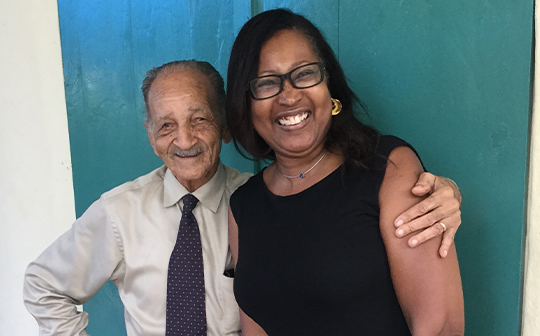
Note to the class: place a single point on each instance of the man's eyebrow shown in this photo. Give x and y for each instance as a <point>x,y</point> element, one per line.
<point>196,108</point>
<point>164,117</point>
<point>202,108</point>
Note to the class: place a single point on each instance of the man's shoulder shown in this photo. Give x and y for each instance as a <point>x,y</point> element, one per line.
<point>235,179</point>
<point>151,180</point>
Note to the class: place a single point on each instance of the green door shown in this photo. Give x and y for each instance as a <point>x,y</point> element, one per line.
<point>450,77</point>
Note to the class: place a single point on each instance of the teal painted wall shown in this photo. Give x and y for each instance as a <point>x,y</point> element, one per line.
<point>452,78</point>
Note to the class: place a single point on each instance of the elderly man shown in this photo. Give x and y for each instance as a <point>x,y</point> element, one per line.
<point>150,236</point>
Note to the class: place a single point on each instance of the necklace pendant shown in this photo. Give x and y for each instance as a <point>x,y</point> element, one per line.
<point>304,173</point>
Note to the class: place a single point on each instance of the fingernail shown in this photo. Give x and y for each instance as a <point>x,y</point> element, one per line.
<point>398,222</point>
<point>414,242</point>
<point>400,232</point>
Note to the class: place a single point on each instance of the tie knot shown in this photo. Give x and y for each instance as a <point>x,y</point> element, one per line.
<point>190,202</point>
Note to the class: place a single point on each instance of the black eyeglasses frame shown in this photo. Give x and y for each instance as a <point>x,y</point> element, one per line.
<point>282,78</point>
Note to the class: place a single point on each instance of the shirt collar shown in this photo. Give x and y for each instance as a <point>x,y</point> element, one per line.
<point>209,194</point>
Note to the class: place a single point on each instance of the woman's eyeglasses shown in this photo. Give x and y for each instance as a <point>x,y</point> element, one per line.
<point>302,77</point>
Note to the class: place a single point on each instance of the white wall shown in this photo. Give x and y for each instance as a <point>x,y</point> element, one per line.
<point>531,297</point>
<point>36,189</point>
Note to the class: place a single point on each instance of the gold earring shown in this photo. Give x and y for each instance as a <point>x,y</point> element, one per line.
<point>336,106</point>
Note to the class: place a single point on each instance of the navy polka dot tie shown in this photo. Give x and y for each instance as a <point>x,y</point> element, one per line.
<point>186,314</point>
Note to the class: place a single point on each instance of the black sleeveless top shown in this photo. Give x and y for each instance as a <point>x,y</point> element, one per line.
<point>314,263</point>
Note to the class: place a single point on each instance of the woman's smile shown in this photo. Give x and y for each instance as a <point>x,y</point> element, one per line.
<point>293,120</point>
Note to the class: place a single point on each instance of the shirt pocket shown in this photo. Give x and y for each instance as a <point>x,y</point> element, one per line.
<point>231,315</point>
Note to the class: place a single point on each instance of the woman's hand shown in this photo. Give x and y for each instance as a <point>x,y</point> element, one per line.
<point>437,214</point>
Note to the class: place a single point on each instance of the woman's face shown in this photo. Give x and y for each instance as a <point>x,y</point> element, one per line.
<point>293,123</point>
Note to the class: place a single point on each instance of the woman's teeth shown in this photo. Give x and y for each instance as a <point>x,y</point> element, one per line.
<point>293,120</point>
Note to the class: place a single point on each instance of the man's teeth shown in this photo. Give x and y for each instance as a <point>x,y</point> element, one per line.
<point>293,120</point>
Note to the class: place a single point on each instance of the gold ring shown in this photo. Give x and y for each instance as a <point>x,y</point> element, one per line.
<point>443,226</point>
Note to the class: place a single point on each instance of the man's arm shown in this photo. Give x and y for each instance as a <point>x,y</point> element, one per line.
<point>438,214</point>
<point>70,271</point>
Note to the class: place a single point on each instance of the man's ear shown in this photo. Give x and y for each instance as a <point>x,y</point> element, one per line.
<point>226,135</point>
<point>150,135</point>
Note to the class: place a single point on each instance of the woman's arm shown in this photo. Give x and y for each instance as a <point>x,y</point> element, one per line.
<point>249,327</point>
<point>428,287</point>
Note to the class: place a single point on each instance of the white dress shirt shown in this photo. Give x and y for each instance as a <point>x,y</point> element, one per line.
<point>127,236</point>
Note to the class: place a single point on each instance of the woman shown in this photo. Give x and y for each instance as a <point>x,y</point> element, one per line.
<point>312,235</point>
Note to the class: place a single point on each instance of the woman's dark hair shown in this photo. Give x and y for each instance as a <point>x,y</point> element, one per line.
<point>347,135</point>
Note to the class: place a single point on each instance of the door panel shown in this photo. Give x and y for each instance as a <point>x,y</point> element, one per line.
<point>107,47</point>
<point>453,79</point>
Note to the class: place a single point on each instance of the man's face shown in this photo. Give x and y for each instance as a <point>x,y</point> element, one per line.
<point>184,129</point>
